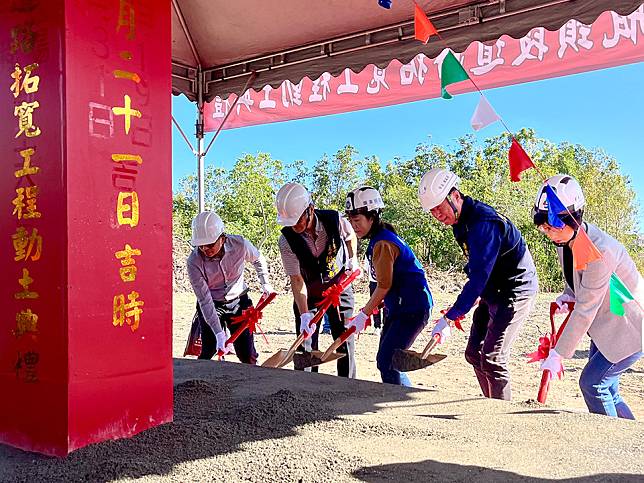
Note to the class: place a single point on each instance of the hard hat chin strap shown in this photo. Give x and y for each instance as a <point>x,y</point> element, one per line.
<point>453,206</point>
<point>574,235</point>
<point>308,216</point>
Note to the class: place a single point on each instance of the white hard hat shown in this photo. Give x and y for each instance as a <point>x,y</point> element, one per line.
<point>434,187</point>
<point>207,227</point>
<point>363,199</point>
<point>567,190</point>
<point>291,201</point>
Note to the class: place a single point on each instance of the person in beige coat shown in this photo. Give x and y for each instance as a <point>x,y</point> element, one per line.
<point>616,341</point>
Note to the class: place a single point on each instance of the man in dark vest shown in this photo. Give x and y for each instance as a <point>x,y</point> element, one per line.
<point>316,247</point>
<point>501,276</point>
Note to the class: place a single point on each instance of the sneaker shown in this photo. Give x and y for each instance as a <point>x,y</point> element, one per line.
<point>377,331</point>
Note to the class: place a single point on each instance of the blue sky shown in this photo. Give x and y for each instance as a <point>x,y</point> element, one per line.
<point>596,109</point>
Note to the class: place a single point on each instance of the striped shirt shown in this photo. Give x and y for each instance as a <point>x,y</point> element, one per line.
<point>316,244</point>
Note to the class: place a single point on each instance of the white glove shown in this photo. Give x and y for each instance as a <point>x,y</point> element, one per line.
<point>221,343</point>
<point>553,364</point>
<point>352,264</point>
<point>305,320</point>
<point>359,322</point>
<point>267,288</point>
<point>561,303</point>
<point>443,328</point>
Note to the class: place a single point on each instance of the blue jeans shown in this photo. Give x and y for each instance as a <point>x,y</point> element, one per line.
<point>599,383</point>
<point>399,332</point>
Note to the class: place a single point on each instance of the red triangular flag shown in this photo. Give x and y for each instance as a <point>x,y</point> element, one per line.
<point>583,250</point>
<point>519,161</point>
<point>423,28</point>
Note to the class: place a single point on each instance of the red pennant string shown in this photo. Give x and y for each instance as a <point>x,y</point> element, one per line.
<point>519,161</point>
<point>423,27</point>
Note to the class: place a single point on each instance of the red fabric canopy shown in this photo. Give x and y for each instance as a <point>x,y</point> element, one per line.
<point>612,40</point>
<point>218,43</point>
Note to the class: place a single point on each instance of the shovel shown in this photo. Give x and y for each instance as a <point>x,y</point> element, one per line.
<point>554,337</point>
<point>315,358</point>
<point>408,360</point>
<point>249,320</point>
<point>284,356</point>
<point>332,297</point>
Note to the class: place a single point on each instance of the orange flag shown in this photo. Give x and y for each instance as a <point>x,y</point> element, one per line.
<point>584,251</point>
<point>423,28</point>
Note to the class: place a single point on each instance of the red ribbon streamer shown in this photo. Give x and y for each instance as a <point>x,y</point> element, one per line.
<point>542,352</point>
<point>546,343</point>
<point>457,321</point>
<point>250,318</point>
<point>331,296</point>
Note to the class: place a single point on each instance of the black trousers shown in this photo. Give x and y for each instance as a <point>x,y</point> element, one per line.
<point>245,343</point>
<point>337,318</point>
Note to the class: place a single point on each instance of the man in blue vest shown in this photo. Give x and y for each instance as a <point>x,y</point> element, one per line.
<point>316,246</point>
<point>501,276</point>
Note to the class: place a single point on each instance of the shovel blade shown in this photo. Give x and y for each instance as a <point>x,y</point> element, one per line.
<point>408,360</point>
<point>277,359</point>
<point>302,360</point>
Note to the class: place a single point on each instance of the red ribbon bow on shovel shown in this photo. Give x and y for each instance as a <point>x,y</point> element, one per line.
<point>542,352</point>
<point>331,296</point>
<point>249,319</point>
<point>546,343</point>
<point>457,321</point>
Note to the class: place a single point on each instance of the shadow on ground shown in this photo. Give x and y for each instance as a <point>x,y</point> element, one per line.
<point>218,407</point>
<point>429,470</point>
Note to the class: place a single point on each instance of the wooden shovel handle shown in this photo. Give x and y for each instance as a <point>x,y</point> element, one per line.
<point>338,342</point>
<point>300,338</point>
<point>431,346</point>
<point>291,350</point>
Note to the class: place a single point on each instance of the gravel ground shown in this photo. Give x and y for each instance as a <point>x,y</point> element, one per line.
<point>452,374</point>
<point>239,423</point>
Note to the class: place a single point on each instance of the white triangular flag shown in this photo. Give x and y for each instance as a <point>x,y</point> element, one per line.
<point>484,115</point>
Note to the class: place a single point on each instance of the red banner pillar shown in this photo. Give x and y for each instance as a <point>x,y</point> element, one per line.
<point>85,198</point>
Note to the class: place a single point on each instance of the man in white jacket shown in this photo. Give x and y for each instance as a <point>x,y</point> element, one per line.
<point>616,341</point>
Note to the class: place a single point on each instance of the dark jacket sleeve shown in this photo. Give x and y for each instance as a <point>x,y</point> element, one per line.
<point>484,243</point>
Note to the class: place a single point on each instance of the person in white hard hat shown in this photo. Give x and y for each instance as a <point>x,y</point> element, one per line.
<point>216,272</point>
<point>400,282</point>
<point>616,341</point>
<point>501,275</point>
<point>316,246</point>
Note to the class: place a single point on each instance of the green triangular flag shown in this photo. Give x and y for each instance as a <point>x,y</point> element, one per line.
<point>451,72</point>
<point>619,295</point>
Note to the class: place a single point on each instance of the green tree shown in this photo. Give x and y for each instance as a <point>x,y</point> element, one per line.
<point>334,178</point>
<point>244,196</point>
<point>248,202</point>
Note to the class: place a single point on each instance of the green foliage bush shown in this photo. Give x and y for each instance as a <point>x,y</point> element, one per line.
<point>244,195</point>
